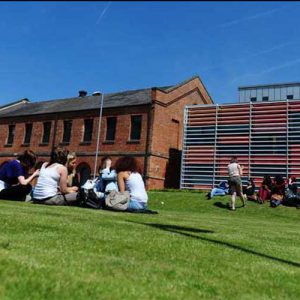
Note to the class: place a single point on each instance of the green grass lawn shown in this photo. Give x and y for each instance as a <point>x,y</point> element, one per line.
<point>193,249</point>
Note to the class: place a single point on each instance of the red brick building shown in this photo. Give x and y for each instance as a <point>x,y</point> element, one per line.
<point>146,123</point>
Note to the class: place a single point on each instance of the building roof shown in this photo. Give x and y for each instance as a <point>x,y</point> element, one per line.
<point>127,98</point>
<point>273,85</point>
<point>121,99</point>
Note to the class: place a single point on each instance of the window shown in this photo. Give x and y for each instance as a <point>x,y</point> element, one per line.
<point>11,134</point>
<point>290,97</point>
<point>67,131</point>
<point>110,128</point>
<point>88,130</point>
<point>136,126</point>
<point>265,98</point>
<point>46,133</point>
<point>253,99</point>
<point>28,131</point>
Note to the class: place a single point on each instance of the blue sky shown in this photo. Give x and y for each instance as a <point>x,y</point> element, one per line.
<point>50,50</point>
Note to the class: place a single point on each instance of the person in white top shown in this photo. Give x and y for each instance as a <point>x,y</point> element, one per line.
<point>130,179</point>
<point>235,171</point>
<point>51,187</point>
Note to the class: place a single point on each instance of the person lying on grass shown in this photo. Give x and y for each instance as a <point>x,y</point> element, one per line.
<point>13,182</point>
<point>221,190</point>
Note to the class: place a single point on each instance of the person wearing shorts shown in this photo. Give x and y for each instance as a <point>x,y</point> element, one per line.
<point>235,171</point>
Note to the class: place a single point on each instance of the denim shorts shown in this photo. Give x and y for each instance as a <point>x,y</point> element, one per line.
<point>136,205</point>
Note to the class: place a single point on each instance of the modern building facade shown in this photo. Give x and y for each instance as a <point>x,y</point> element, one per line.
<point>145,123</point>
<point>265,136</point>
<point>270,92</point>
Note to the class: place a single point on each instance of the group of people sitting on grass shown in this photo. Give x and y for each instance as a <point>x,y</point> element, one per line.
<point>55,182</point>
<point>276,190</point>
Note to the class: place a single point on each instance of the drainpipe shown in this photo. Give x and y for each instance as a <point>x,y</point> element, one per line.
<point>148,140</point>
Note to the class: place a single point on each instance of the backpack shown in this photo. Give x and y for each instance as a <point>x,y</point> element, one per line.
<point>87,197</point>
<point>117,200</point>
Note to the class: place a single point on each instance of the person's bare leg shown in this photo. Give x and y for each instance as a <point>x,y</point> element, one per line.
<point>233,199</point>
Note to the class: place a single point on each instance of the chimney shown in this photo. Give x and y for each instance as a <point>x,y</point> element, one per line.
<point>82,93</point>
<point>97,93</point>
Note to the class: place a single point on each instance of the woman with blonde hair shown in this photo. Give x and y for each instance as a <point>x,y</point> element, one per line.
<point>71,167</point>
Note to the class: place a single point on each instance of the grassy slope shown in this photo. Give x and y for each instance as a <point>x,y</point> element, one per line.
<point>192,249</point>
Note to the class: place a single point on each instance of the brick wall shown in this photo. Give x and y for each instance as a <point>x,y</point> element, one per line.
<point>162,122</point>
<point>85,151</point>
<point>166,132</point>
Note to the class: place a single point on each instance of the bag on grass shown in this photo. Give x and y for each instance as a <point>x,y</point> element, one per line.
<point>87,196</point>
<point>117,200</point>
<point>276,197</point>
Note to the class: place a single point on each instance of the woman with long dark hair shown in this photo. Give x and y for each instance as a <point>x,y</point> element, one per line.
<point>130,179</point>
<point>51,187</point>
<point>264,192</point>
<point>14,179</point>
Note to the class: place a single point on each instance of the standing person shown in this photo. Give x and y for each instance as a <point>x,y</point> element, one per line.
<point>71,167</point>
<point>51,187</point>
<point>130,179</point>
<point>13,182</point>
<point>235,171</point>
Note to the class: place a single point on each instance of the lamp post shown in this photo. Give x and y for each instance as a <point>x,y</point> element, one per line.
<point>99,130</point>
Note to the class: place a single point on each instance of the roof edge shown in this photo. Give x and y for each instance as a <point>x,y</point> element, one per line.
<point>183,83</point>
<point>9,105</point>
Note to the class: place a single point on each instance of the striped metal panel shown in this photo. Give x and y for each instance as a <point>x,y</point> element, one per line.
<point>265,136</point>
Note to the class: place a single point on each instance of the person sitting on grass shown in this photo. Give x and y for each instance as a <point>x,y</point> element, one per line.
<point>107,180</point>
<point>221,190</point>
<point>13,182</point>
<point>249,190</point>
<point>278,191</point>
<point>264,192</point>
<point>51,187</point>
<point>71,167</point>
<point>292,197</point>
<point>130,179</point>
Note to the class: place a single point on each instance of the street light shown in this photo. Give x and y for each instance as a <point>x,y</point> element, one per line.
<point>99,130</point>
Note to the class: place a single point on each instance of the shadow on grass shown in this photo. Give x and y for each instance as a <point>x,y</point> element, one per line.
<point>224,206</point>
<point>180,230</point>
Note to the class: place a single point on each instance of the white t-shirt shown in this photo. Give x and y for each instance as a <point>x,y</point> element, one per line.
<point>233,170</point>
<point>136,188</point>
<point>48,182</point>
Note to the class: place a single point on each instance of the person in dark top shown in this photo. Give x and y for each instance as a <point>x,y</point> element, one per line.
<point>13,182</point>
<point>278,191</point>
<point>249,190</point>
<point>292,197</point>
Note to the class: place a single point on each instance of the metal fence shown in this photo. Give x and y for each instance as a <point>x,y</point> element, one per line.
<point>264,136</point>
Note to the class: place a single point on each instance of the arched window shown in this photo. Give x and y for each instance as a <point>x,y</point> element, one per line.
<point>84,172</point>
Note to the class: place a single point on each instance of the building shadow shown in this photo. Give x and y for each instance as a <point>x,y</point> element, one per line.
<point>172,177</point>
<point>187,231</point>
